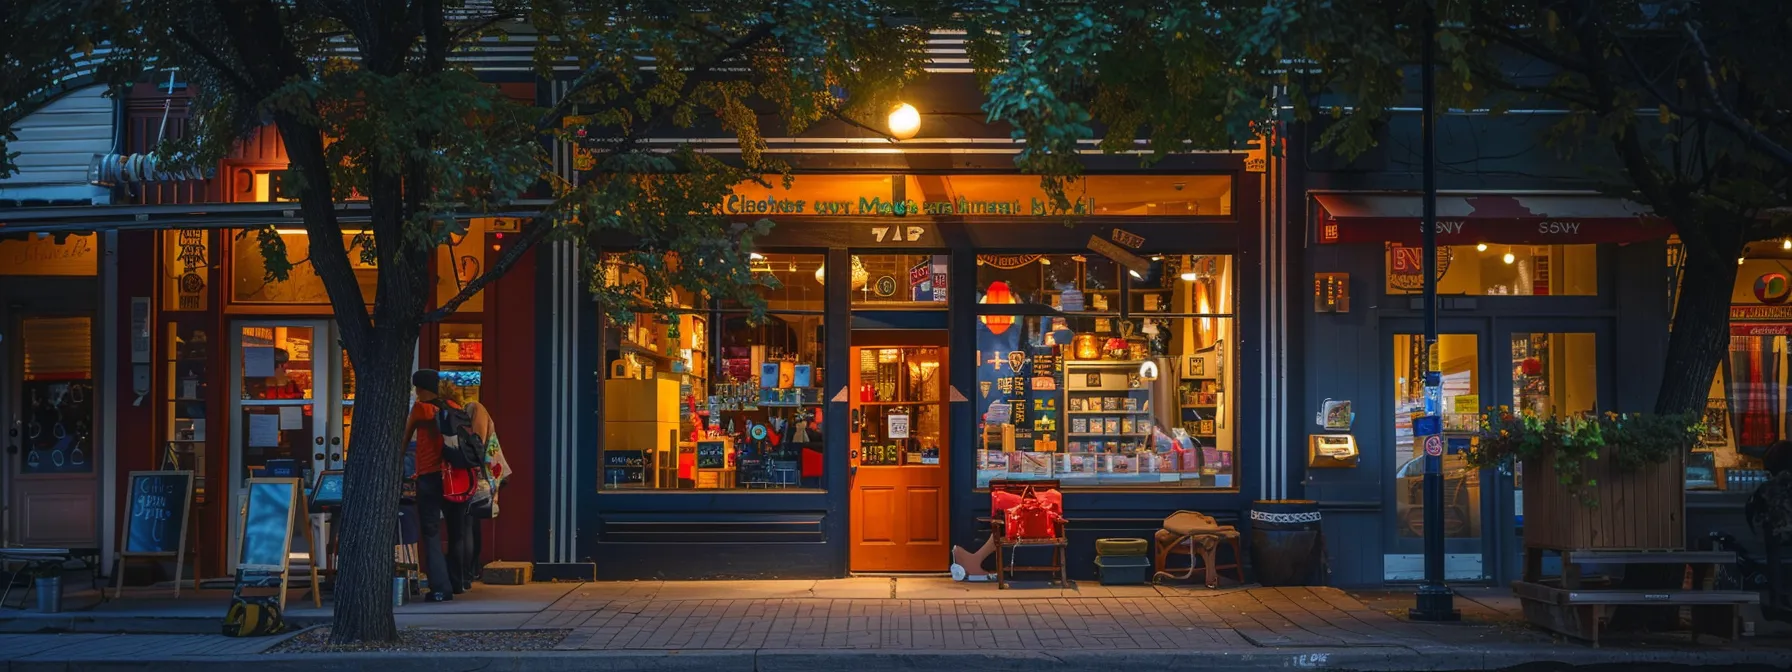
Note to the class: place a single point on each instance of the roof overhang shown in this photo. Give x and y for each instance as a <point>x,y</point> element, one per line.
<point>1501,218</point>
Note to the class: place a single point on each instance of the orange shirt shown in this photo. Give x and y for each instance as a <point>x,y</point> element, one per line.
<point>429,441</point>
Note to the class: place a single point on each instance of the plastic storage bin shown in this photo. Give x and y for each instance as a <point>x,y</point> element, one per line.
<point>1123,570</point>
<point>1120,546</point>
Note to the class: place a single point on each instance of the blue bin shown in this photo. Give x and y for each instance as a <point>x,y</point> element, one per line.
<point>1123,570</point>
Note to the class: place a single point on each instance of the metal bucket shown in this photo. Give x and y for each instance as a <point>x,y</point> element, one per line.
<point>1287,545</point>
<point>49,594</point>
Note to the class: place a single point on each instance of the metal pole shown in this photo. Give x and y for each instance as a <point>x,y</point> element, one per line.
<point>1435,601</point>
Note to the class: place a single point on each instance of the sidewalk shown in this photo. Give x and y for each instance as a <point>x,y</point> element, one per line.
<point>863,624</point>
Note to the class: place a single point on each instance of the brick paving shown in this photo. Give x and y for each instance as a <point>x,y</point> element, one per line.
<point>1230,620</point>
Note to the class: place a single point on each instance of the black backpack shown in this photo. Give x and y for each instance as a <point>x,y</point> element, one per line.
<point>461,447</point>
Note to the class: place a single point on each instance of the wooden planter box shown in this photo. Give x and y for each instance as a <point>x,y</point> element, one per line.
<point>1642,510</point>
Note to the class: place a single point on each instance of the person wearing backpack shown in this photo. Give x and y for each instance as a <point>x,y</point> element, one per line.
<point>441,496</point>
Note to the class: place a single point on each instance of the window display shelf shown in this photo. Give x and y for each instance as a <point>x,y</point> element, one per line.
<point>1132,412</point>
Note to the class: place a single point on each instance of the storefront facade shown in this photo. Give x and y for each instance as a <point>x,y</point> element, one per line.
<point>908,360</point>
<point>934,322</point>
<point>1553,298</point>
<point>201,362</point>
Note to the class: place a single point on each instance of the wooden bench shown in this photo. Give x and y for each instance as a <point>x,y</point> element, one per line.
<point>1569,606</point>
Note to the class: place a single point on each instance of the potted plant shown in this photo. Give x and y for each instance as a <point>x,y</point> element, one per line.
<point>1611,481</point>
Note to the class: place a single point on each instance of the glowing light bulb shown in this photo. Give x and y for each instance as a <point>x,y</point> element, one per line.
<point>905,121</point>
<point>1189,276</point>
<point>1481,247</point>
<point>1786,244</point>
<point>1509,258</point>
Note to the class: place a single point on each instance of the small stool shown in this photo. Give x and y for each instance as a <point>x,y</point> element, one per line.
<point>1200,547</point>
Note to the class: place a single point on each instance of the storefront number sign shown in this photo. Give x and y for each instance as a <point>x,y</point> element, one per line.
<point>898,426</point>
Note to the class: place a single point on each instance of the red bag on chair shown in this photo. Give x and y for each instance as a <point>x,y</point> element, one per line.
<point>1032,518</point>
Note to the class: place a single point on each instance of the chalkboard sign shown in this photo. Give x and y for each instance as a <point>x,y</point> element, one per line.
<point>158,519</point>
<point>267,523</point>
<point>625,467</point>
<point>328,491</point>
<point>712,454</point>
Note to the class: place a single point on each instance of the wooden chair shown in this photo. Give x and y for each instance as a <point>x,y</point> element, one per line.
<point>1007,546</point>
<point>1201,549</point>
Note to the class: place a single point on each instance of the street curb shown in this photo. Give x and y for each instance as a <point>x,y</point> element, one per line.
<point>79,622</point>
<point>1389,659</point>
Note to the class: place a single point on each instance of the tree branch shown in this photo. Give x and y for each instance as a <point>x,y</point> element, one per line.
<point>1707,85</point>
<point>536,230</point>
<point>213,59</point>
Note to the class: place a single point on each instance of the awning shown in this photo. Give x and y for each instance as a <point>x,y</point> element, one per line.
<point>1466,219</point>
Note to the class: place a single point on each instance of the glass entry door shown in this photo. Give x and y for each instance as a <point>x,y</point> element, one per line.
<point>1461,353</point>
<point>292,394</point>
<point>1546,367</point>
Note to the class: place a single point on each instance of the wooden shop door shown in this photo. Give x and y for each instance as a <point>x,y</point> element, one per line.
<point>898,452</point>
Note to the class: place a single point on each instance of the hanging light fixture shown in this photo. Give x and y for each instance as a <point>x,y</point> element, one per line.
<point>1480,247</point>
<point>1509,258</point>
<point>905,121</point>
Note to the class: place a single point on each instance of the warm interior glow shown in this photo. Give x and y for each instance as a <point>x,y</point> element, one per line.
<point>1509,258</point>
<point>905,121</point>
<point>1189,276</point>
<point>1481,247</point>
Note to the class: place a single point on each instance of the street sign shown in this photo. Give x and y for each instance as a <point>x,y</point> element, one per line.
<point>1434,445</point>
<point>1427,425</point>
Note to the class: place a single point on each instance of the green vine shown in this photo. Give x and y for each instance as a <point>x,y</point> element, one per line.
<point>1631,440</point>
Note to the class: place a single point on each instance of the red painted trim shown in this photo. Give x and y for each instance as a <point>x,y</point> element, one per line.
<point>509,392</point>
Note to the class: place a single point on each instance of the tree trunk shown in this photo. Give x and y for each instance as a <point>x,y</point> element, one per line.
<point>1701,328</point>
<point>368,530</point>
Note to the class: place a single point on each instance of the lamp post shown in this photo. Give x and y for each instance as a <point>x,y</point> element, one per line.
<point>1435,601</point>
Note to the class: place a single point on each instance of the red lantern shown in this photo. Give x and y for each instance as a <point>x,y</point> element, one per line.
<point>1532,366</point>
<point>998,293</point>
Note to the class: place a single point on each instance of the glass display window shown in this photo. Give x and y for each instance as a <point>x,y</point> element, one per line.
<point>187,356</point>
<point>1126,399</point>
<point>1497,270</point>
<point>911,280</point>
<point>461,351</point>
<point>709,397</point>
<point>251,284</point>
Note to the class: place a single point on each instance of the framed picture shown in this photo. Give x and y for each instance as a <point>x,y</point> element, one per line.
<point>1197,365</point>
<point>1075,403</point>
<point>1092,380</point>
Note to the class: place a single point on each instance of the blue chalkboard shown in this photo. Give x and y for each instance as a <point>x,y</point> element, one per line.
<point>158,512</point>
<point>267,522</point>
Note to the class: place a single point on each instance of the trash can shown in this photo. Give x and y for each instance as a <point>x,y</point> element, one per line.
<point>49,594</point>
<point>1287,545</point>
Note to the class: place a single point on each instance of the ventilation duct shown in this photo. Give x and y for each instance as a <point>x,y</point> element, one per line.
<point>112,169</point>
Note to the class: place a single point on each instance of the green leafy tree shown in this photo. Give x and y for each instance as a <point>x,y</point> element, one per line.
<point>1679,104</point>
<point>371,104</point>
